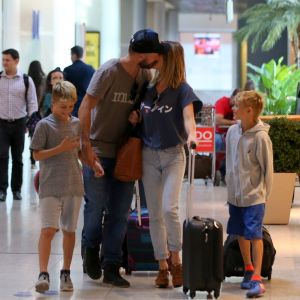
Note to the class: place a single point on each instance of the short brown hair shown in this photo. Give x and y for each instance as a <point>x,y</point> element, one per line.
<point>252,99</point>
<point>64,91</point>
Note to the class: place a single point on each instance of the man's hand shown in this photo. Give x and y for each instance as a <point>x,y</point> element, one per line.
<point>89,157</point>
<point>98,169</point>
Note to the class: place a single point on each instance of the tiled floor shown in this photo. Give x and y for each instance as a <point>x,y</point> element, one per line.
<point>19,231</point>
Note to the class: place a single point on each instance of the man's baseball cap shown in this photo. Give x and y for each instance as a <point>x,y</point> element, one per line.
<point>146,41</point>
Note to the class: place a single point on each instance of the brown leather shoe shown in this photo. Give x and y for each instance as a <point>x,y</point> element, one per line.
<point>162,279</point>
<point>177,277</point>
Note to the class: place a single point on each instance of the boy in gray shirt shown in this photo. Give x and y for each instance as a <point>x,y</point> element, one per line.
<point>55,144</point>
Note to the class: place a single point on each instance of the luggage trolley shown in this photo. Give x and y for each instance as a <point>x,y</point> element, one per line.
<point>205,160</point>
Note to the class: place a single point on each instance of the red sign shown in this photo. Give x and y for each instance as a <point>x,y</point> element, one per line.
<point>205,138</point>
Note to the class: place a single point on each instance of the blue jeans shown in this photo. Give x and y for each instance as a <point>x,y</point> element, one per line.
<point>113,196</point>
<point>221,147</point>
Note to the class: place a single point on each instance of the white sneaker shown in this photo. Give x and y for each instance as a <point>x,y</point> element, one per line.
<point>66,284</point>
<point>43,283</point>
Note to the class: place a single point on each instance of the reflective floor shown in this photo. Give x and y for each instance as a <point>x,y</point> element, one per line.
<point>19,231</point>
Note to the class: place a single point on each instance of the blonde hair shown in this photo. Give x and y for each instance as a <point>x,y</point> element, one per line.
<point>64,91</point>
<point>173,69</point>
<point>251,99</point>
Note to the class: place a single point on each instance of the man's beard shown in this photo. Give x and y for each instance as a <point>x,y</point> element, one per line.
<point>144,65</point>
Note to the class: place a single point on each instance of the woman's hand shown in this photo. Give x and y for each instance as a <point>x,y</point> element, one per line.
<point>134,117</point>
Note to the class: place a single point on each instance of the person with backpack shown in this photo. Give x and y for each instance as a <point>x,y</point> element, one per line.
<point>17,102</point>
<point>249,174</point>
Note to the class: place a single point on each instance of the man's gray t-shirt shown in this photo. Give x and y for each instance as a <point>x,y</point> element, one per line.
<point>60,175</point>
<point>111,85</point>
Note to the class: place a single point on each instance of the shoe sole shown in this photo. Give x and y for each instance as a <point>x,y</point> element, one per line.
<point>66,289</point>
<point>111,283</point>
<point>42,288</point>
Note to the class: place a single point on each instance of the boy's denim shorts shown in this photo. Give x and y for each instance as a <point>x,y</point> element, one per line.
<point>246,221</point>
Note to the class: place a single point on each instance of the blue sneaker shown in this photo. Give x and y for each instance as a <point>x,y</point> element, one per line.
<point>256,290</point>
<point>246,283</point>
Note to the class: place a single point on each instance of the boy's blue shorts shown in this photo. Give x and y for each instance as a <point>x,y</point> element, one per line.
<point>246,221</point>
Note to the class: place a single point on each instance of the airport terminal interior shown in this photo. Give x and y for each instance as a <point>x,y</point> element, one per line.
<point>20,228</point>
<point>45,31</point>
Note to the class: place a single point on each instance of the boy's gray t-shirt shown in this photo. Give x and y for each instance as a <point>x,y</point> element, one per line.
<point>60,175</point>
<point>111,85</point>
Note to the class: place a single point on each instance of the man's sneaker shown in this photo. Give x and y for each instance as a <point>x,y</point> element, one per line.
<point>65,281</point>
<point>177,276</point>
<point>91,263</point>
<point>43,283</point>
<point>256,289</point>
<point>112,276</point>
<point>162,279</point>
<point>246,283</point>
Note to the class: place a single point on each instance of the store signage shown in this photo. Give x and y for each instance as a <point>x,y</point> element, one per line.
<point>205,138</point>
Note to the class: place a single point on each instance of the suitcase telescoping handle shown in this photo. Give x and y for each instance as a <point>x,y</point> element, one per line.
<point>191,174</point>
<point>138,203</point>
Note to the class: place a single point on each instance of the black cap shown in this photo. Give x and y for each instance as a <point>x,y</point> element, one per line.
<point>146,41</point>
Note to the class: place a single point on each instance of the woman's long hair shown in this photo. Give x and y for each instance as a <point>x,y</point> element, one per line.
<point>36,72</point>
<point>172,73</point>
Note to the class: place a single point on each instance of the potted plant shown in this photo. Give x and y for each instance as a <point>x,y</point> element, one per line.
<point>285,137</point>
<point>278,82</point>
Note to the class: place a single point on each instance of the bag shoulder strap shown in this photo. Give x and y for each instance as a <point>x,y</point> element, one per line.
<point>26,82</point>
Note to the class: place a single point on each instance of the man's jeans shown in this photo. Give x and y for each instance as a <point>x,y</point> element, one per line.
<point>112,196</point>
<point>12,136</point>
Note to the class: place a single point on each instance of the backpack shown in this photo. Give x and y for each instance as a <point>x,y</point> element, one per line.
<point>233,261</point>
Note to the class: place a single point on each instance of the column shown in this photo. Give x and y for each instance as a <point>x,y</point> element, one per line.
<point>172,33</point>
<point>110,30</point>
<point>11,24</point>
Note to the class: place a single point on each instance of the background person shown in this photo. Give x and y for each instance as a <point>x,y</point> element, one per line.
<point>224,119</point>
<point>80,74</point>
<point>16,105</point>
<point>53,77</point>
<point>37,74</point>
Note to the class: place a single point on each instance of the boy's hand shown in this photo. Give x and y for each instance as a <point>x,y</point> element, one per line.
<point>97,168</point>
<point>69,144</point>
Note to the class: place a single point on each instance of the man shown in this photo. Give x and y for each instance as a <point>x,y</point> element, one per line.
<point>104,116</point>
<point>15,107</point>
<point>224,119</point>
<point>80,74</point>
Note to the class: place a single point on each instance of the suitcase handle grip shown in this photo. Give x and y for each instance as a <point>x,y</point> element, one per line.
<point>193,145</point>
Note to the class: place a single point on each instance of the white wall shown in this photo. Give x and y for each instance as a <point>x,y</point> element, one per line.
<point>210,75</point>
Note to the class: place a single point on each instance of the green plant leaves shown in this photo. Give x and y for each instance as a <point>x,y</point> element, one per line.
<point>285,137</point>
<point>278,82</point>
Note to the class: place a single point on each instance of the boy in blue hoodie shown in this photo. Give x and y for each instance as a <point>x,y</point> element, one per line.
<point>249,161</point>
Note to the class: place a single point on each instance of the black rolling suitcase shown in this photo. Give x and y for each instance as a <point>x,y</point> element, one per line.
<point>202,253</point>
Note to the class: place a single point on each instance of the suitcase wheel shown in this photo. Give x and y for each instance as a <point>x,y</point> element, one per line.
<point>269,277</point>
<point>185,290</point>
<point>192,294</point>
<point>217,294</point>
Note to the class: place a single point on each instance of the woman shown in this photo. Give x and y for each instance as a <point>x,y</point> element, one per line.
<point>53,77</point>
<point>37,74</point>
<point>168,123</point>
